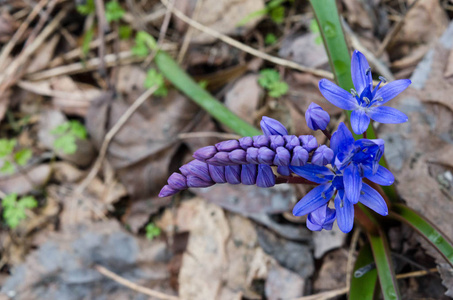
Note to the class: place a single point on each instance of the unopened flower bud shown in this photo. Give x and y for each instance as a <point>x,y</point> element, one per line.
<point>300,157</point>
<point>283,170</point>
<point>246,142</point>
<point>266,177</point>
<point>308,142</point>
<point>205,153</point>
<point>276,141</point>
<point>219,159</point>
<point>217,173</point>
<point>167,191</point>
<point>197,182</point>
<point>248,174</point>
<point>282,157</point>
<point>291,142</point>
<point>238,156</point>
<point>233,174</point>
<point>265,156</point>
<point>261,141</point>
<point>316,117</point>
<point>322,156</point>
<point>271,126</point>
<point>177,181</point>
<point>227,145</point>
<point>252,155</point>
<point>321,218</point>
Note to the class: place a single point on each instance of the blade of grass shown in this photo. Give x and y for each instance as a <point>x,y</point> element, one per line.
<point>329,24</point>
<point>363,287</point>
<point>426,229</point>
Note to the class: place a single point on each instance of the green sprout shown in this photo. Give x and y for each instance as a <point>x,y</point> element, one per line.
<point>144,42</point>
<point>152,231</point>
<point>314,28</point>
<point>270,39</point>
<point>153,77</point>
<point>14,210</point>
<point>113,11</point>
<point>88,8</point>
<point>270,80</point>
<point>11,158</point>
<point>125,32</point>
<point>68,133</point>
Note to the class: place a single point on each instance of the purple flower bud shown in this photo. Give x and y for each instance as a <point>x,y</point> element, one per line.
<point>248,174</point>
<point>220,159</point>
<point>300,157</point>
<point>265,156</point>
<point>227,145</point>
<point>177,181</point>
<point>196,168</point>
<point>233,174</point>
<point>316,117</point>
<point>322,156</point>
<point>246,142</point>
<point>217,173</point>
<point>205,153</point>
<point>252,155</point>
<point>309,142</point>
<point>266,177</point>
<point>283,170</point>
<point>321,218</point>
<point>238,156</point>
<point>271,126</point>
<point>277,141</point>
<point>196,182</point>
<point>260,141</point>
<point>291,142</point>
<point>167,191</point>
<point>282,157</point>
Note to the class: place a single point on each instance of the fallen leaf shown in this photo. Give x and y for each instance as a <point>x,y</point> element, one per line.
<point>43,55</point>
<point>282,283</point>
<point>303,49</point>
<point>25,181</point>
<point>332,274</point>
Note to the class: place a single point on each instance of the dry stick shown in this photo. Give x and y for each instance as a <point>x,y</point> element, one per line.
<point>248,49</point>
<point>7,49</point>
<point>207,134</point>
<point>109,136</point>
<point>189,33</point>
<point>133,286</point>
<point>44,17</point>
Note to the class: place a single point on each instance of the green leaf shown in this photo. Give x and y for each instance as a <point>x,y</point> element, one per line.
<point>27,202</point>
<point>66,143</point>
<point>7,168</point>
<point>153,77</point>
<point>253,15</point>
<point>76,128</point>
<point>87,38</point>
<point>268,77</point>
<point>277,89</point>
<point>152,231</point>
<point>113,11</point>
<point>144,42</point>
<point>6,147</point>
<point>277,14</point>
<point>428,230</point>
<point>314,28</point>
<point>13,216</point>
<point>61,129</point>
<point>364,279</point>
<point>22,156</point>
<point>270,39</point>
<point>87,8</point>
<point>9,200</point>
<point>125,32</point>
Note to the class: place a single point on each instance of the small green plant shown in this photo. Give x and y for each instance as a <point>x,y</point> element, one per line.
<point>10,157</point>
<point>68,133</point>
<point>142,44</point>
<point>270,39</point>
<point>152,231</point>
<point>87,8</point>
<point>270,80</point>
<point>125,32</point>
<point>113,11</point>
<point>14,210</point>
<point>274,9</point>
<point>153,77</point>
<point>314,28</point>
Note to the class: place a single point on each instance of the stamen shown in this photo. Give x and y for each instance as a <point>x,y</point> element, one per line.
<point>354,93</point>
<point>342,203</point>
<point>368,71</point>
<point>382,78</point>
<point>323,195</point>
<point>380,99</point>
<point>367,101</point>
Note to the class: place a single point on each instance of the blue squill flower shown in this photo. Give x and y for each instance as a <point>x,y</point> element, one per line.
<point>365,102</point>
<point>321,218</point>
<point>353,161</point>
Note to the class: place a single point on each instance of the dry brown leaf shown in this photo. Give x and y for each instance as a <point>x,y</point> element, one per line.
<point>25,181</point>
<point>282,283</point>
<point>332,274</point>
<point>223,16</point>
<point>303,49</point>
<point>43,55</point>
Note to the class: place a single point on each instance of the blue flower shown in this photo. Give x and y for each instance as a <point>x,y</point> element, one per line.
<point>353,161</point>
<point>365,102</point>
<point>316,117</point>
<point>321,218</point>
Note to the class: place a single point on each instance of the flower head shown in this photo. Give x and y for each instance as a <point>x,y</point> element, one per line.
<point>365,102</point>
<point>316,117</point>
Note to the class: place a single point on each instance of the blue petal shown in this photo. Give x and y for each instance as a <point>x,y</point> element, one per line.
<point>359,121</point>
<point>345,213</point>
<point>384,114</point>
<point>352,183</point>
<point>316,198</point>
<point>359,67</point>
<point>392,89</point>
<point>382,176</point>
<point>336,95</point>
<point>369,197</point>
<point>341,139</point>
<point>318,174</point>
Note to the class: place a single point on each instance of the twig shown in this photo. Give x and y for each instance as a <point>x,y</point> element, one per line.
<point>44,17</point>
<point>7,49</point>
<point>207,134</point>
<point>325,295</point>
<point>350,262</point>
<point>248,49</point>
<point>189,33</point>
<point>417,273</point>
<point>109,136</point>
<point>133,286</point>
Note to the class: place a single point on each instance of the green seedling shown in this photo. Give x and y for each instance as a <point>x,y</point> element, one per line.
<point>14,210</point>
<point>270,80</point>
<point>125,32</point>
<point>12,158</point>
<point>87,8</point>
<point>144,42</point>
<point>314,28</point>
<point>153,77</point>
<point>152,231</point>
<point>270,39</point>
<point>68,133</point>
<point>113,11</point>
<point>274,9</point>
